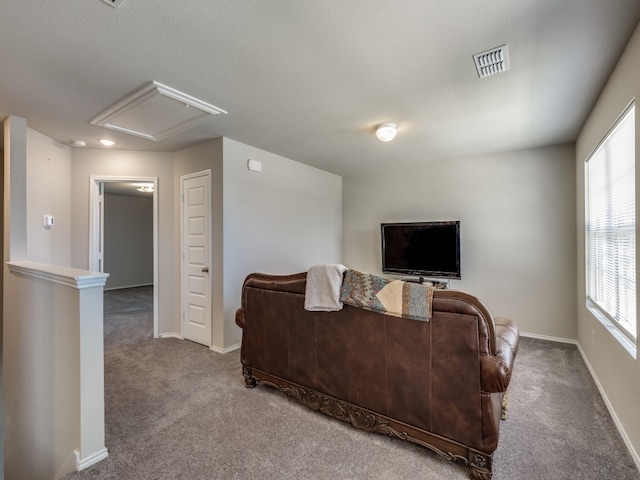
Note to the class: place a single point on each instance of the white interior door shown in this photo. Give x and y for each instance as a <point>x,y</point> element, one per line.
<point>196,255</point>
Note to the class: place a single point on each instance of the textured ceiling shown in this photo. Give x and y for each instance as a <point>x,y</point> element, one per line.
<point>309,80</point>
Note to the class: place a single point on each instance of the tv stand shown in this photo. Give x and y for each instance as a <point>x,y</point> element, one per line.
<point>436,283</point>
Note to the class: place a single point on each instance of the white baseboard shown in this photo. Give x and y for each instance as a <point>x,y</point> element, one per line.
<point>123,287</point>
<point>616,420</point>
<point>82,463</point>
<point>230,349</point>
<point>551,339</point>
<point>170,335</point>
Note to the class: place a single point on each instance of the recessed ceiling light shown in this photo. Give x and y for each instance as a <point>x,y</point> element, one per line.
<point>106,142</point>
<point>386,132</point>
<point>78,143</point>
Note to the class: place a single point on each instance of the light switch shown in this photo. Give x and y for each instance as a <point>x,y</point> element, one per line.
<point>47,221</point>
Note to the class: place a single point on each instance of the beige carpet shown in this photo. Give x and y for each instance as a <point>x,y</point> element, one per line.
<point>176,410</point>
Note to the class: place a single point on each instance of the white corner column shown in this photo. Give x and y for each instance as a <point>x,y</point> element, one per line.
<point>92,445</point>
<point>61,395</point>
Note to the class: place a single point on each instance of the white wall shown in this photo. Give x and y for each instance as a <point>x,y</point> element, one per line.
<point>517,214</point>
<point>616,371</point>
<point>281,220</point>
<point>122,163</point>
<point>54,402</point>
<point>48,193</point>
<point>41,372</point>
<point>41,358</point>
<point>128,240</point>
<point>204,156</point>
<point>2,252</point>
<point>14,237</point>
<point>15,194</point>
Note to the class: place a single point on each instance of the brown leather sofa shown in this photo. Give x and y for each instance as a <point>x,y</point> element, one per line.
<point>439,384</point>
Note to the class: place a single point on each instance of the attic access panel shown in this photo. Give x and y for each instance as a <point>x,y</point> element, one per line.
<point>156,112</point>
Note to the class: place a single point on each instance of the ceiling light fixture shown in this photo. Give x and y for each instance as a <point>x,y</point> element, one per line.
<point>144,187</point>
<point>386,132</point>
<point>78,143</point>
<point>106,142</point>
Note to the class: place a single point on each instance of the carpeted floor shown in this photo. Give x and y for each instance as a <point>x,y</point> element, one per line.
<point>176,410</point>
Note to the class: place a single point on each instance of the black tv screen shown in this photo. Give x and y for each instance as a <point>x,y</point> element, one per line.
<point>425,249</point>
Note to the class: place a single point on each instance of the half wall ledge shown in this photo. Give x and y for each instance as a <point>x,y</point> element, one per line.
<point>61,310</point>
<point>71,277</point>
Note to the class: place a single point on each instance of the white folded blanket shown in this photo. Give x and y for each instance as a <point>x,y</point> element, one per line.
<point>322,292</point>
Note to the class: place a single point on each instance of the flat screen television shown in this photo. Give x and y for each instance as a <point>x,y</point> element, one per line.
<point>423,249</point>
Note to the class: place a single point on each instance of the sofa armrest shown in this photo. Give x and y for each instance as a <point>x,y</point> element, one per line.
<point>240,319</point>
<point>496,369</point>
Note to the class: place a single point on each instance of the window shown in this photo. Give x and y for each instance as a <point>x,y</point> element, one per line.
<point>611,228</point>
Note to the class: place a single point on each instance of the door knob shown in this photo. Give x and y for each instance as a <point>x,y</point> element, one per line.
<point>205,269</point>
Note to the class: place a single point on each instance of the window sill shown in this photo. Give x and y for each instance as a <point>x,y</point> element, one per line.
<point>622,339</point>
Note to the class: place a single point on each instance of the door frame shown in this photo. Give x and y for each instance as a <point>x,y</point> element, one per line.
<point>208,174</point>
<point>96,230</point>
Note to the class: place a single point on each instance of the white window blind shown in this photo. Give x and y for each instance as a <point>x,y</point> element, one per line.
<point>611,226</point>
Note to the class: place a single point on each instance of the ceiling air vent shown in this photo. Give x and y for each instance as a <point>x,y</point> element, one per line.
<point>114,3</point>
<point>492,61</point>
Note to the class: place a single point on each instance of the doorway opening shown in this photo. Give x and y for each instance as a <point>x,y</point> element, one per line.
<point>101,189</point>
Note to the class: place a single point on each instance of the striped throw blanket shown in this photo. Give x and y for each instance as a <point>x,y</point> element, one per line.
<point>390,297</point>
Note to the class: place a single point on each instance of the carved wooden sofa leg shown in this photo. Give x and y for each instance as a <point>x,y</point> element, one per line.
<point>480,466</point>
<point>249,379</point>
